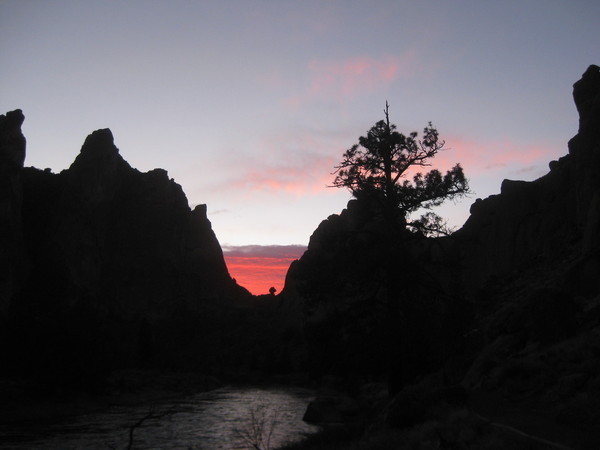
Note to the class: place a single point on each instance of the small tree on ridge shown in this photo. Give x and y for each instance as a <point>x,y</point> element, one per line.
<point>378,167</point>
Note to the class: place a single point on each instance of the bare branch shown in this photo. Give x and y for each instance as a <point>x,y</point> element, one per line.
<point>257,433</point>
<point>150,416</point>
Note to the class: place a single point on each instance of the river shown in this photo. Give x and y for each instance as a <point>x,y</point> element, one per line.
<point>226,418</point>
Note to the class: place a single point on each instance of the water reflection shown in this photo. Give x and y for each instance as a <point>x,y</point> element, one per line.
<point>227,418</point>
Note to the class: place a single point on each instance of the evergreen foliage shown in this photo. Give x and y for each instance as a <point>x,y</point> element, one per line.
<point>379,166</point>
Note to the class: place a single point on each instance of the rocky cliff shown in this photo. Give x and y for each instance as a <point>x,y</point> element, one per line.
<point>118,240</point>
<point>554,218</point>
<point>104,258</point>
<point>12,258</point>
<point>530,259</point>
<point>521,277</point>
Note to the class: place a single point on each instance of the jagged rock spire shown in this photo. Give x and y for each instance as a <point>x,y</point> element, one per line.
<point>586,93</point>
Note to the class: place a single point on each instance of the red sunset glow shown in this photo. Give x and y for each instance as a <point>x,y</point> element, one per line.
<point>258,268</point>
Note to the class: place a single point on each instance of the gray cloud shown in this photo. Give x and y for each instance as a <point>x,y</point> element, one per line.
<point>265,251</point>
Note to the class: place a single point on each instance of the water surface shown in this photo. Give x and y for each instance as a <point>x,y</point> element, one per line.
<point>226,418</point>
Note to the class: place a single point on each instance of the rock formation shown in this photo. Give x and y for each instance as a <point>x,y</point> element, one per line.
<point>554,218</point>
<point>521,277</point>
<point>12,257</point>
<point>101,256</point>
<point>122,241</point>
<point>534,251</point>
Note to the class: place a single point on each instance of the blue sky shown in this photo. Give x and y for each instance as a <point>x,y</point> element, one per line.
<point>250,104</point>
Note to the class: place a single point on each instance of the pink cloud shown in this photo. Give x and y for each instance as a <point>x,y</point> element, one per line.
<point>309,178</point>
<point>298,162</point>
<point>491,154</point>
<point>346,79</point>
<point>301,163</point>
<point>265,251</point>
<point>482,156</point>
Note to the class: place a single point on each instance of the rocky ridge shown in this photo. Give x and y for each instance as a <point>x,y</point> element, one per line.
<point>122,241</point>
<point>102,256</point>
<point>509,304</point>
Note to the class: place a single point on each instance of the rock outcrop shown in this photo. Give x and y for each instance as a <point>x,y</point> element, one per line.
<point>371,307</point>
<point>554,218</point>
<point>120,241</point>
<point>534,251</point>
<point>522,273</point>
<point>100,260</point>
<point>12,257</point>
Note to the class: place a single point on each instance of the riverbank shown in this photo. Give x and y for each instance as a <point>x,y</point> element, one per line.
<point>488,421</point>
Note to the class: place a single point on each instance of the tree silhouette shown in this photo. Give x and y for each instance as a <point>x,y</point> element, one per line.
<point>383,172</point>
<point>378,167</point>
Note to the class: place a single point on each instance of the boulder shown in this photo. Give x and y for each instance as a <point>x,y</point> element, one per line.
<point>419,403</point>
<point>328,410</point>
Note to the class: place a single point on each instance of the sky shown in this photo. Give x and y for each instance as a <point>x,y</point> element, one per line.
<point>249,104</point>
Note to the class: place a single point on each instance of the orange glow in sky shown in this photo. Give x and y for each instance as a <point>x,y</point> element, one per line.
<point>258,269</point>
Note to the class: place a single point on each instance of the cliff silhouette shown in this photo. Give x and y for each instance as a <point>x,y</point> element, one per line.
<point>104,267</point>
<point>506,308</point>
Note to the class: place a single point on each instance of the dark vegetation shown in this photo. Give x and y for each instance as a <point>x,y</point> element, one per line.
<point>485,338</point>
<point>376,171</point>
